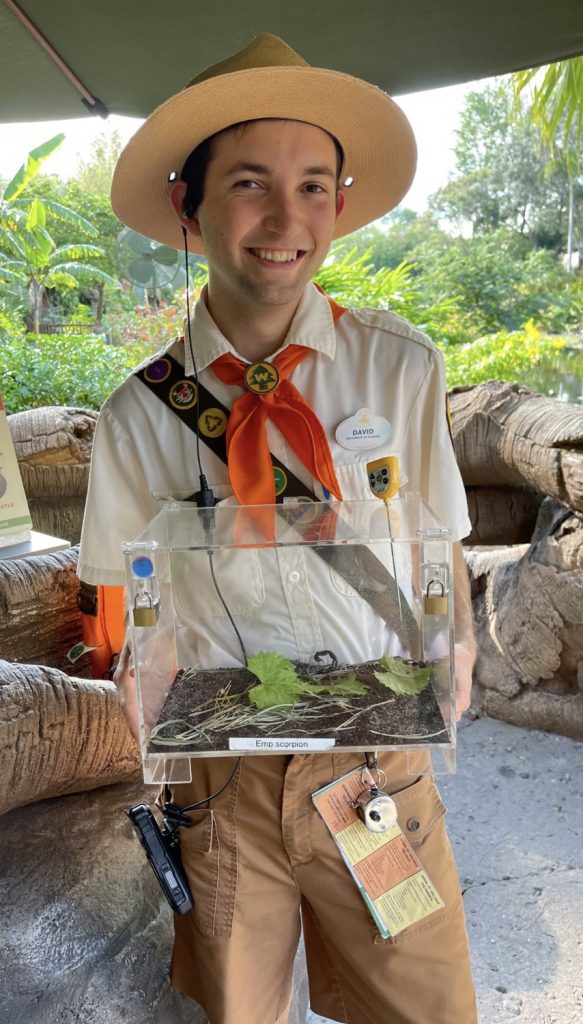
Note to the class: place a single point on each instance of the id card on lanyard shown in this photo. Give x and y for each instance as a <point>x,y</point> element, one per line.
<point>390,877</point>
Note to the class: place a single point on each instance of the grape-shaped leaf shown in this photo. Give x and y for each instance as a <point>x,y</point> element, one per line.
<point>268,695</point>
<point>349,687</point>
<point>404,680</point>
<point>270,668</point>
<point>278,681</point>
<point>342,686</point>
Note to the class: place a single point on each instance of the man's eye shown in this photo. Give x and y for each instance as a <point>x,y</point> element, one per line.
<point>313,186</point>
<point>247,183</point>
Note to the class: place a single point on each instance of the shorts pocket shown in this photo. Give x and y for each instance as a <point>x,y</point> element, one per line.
<point>421,815</point>
<point>209,858</point>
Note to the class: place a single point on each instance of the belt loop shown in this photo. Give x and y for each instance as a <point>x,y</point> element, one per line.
<point>371,759</point>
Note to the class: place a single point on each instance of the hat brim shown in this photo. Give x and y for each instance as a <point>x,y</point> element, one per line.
<point>377,139</point>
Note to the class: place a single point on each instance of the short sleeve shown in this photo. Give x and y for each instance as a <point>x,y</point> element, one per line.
<point>119,503</point>
<point>429,456</point>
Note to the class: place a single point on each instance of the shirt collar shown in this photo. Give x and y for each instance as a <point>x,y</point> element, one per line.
<point>312,327</point>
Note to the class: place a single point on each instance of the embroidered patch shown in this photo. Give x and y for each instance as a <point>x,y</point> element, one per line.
<point>183,394</point>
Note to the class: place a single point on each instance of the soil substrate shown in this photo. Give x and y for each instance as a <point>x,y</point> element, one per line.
<point>409,719</point>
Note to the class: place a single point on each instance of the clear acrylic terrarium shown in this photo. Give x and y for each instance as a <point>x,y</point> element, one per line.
<point>291,628</point>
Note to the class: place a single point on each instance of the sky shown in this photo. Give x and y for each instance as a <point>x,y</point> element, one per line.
<point>434,115</point>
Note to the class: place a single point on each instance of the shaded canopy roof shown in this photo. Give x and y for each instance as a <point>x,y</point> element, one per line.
<point>132,54</point>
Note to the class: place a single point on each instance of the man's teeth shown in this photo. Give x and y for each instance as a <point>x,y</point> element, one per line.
<point>277,256</point>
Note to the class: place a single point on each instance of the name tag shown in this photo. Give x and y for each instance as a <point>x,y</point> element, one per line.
<point>363,431</point>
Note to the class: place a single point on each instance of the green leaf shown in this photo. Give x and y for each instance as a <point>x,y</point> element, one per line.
<point>40,241</point>
<point>279,683</point>
<point>37,215</point>
<point>268,695</point>
<point>71,217</point>
<point>404,680</point>
<point>342,686</point>
<point>348,687</point>
<point>30,169</point>
<point>81,270</point>
<point>78,250</point>
<point>270,667</point>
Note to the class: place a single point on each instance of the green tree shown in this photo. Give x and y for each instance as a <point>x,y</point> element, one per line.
<point>557,98</point>
<point>502,175</point>
<point>555,107</point>
<point>94,207</point>
<point>500,282</point>
<point>105,227</point>
<point>31,260</point>
<point>393,239</point>
<point>95,173</point>
<point>38,263</point>
<point>352,280</point>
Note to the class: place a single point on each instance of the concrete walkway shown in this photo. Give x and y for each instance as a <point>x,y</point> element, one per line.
<point>515,818</point>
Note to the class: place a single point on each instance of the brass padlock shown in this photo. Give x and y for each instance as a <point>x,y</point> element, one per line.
<point>436,604</point>
<point>145,614</point>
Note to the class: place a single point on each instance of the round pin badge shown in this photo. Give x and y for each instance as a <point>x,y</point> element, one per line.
<point>301,507</point>
<point>183,394</point>
<point>158,372</point>
<point>280,479</point>
<point>212,422</point>
<point>261,378</point>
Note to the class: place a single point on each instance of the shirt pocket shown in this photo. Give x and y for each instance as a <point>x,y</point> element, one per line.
<point>353,479</point>
<point>204,582</point>
<point>390,559</point>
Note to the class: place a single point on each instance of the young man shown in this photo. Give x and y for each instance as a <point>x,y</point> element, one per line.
<point>260,162</point>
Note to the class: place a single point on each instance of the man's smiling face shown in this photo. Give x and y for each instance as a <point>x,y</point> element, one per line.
<point>268,212</point>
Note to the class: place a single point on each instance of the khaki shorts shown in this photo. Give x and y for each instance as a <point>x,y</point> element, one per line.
<point>261,859</point>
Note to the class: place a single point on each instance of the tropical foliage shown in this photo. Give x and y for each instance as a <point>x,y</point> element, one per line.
<point>482,270</point>
<point>507,355</point>
<point>56,369</point>
<point>31,260</point>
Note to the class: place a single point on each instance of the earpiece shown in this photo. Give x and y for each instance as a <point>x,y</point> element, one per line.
<point>187,209</point>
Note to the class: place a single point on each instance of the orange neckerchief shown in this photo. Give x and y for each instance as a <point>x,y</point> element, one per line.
<point>270,394</point>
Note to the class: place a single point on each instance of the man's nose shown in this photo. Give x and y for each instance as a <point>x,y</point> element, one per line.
<point>280,215</point>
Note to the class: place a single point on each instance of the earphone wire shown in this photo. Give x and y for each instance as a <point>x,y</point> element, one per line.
<point>191,347</point>
<point>205,491</point>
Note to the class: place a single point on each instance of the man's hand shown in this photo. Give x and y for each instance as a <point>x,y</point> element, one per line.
<point>157,672</point>
<point>465,657</point>
<point>465,644</point>
<point>125,682</point>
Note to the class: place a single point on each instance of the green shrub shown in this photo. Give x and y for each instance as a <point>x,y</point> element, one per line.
<point>500,284</point>
<point>11,322</point>
<point>143,325</point>
<point>528,356</point>
<point>352,280</point>
<point>57,369</point>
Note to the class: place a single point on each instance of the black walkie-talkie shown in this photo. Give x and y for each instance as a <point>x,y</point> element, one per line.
<point>162,848</point>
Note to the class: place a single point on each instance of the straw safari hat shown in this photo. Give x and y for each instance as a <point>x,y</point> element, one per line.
<point>267,80</point>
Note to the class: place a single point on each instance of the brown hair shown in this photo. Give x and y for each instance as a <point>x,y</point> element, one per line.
<point>195,167</point>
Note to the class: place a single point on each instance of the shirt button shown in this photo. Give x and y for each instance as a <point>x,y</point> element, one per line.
<point>413,824</point>
<point>294,576</point>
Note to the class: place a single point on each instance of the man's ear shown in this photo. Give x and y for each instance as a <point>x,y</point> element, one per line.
<point>177,197</point>
<point>340,202</point>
